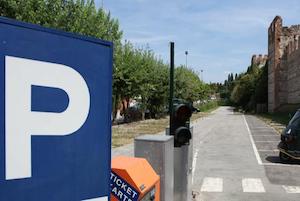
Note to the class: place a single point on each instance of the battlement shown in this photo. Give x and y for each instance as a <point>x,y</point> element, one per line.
<point>293,46</point>
<point>291,31</point>
<point>259,60</point>
<point>295,29</point>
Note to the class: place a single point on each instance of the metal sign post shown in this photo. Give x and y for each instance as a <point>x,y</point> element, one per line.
<point>55,116</point>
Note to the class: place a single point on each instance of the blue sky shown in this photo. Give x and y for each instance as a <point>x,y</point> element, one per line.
<point>220,35</point>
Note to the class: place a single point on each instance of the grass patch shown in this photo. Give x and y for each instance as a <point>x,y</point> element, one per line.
<point>209,106</point>
<point>276,120</point>
<point>199,115</point>
<point>281,118</point>
<point>125,133</point>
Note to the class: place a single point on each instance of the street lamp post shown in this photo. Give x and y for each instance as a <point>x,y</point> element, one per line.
<point>202,75</point>
<point>186,53</point>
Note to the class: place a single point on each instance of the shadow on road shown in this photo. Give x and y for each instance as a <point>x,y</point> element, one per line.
<point>282,173</point>
<point>275,159</point>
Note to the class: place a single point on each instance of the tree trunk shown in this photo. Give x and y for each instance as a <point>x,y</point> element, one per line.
<point>115,106</point>
<point>143,115</point>
<point>143,108</point>
<point>124,107</point>
<point>127,100</point>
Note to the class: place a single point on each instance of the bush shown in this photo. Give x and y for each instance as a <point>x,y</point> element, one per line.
<point>132,114</point>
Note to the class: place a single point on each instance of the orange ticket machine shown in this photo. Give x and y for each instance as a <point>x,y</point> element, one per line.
<point>133,179</point>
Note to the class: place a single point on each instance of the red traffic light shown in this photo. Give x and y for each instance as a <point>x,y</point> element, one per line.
<point>182,113</point>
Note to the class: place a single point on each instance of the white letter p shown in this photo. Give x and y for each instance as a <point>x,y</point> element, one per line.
<point>21,123</point>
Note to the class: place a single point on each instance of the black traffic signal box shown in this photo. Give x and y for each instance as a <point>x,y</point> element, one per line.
<point>180,124</point>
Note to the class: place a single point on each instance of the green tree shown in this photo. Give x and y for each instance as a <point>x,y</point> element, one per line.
<point>141,76</point>
<point>153,86</point>
<point>80,16</point>
<point>250,88</point>
<point>261,89</point>
<point>188,86</point>
<point>137,73</point>
<point>243,90</point>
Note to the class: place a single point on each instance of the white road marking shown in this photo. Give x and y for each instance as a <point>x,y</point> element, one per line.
<point>194,164</point>
<point>266,130</point>
<point>212,184</point>
<point>291,189</point>
<point>260,127</point>
<point>266,150</point>
<point>265,135</point>
<point>252,142</point>
<point>252,185</point>
<point>257,154</point>
<point>98,199</point>
<point>267,141</point>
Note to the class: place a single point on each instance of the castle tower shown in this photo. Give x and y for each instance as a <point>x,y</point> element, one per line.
<point>283,86</point>
<point>274,33</point>
<point>259,60</point>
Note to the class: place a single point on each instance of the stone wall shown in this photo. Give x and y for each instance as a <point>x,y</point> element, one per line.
<point>293,75</point>
<point>283,65</point>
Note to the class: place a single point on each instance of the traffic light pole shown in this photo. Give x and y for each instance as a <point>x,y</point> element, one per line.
<point>183,152</point>
<point>171,84</point>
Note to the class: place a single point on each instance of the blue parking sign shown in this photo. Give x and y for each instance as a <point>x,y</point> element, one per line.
<point>55,104</point>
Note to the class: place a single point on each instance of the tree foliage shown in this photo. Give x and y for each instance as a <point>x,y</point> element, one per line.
<point>140,75</point>
<point>80,16</point>
<point>188,85</point>
<point>250,88</point>
<point>137,73</point>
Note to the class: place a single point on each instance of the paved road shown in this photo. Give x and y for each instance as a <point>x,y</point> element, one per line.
<point>235,159</point>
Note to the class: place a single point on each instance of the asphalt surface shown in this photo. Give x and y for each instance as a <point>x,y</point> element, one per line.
<point>235,158</point>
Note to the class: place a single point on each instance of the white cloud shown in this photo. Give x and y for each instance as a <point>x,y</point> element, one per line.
<point>149,39</point>
<point>219,35</point>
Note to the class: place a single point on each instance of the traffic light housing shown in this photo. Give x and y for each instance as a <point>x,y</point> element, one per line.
<point>180,124</point>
